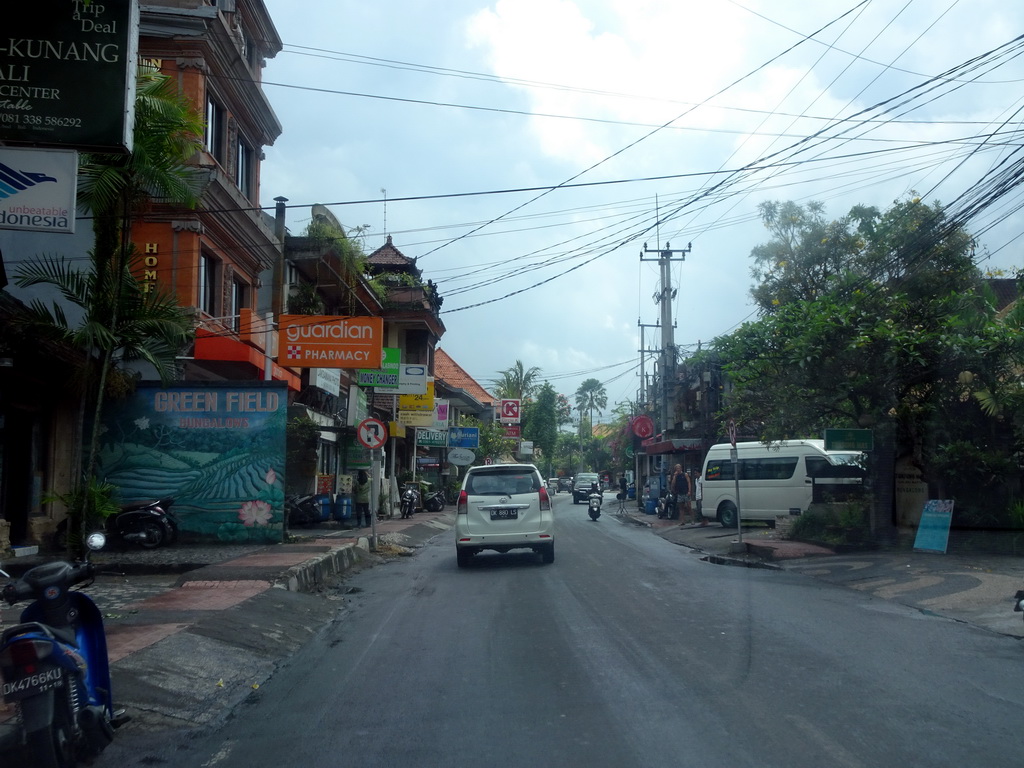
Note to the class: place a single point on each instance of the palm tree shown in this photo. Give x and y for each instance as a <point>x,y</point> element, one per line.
<point>121,322</point>
<point>517,382</point>
<point>590,397</point>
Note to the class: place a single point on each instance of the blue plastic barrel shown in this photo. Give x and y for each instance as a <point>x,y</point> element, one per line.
<point>343,508</point>
<point>324,499</point>
<point>650,506</point>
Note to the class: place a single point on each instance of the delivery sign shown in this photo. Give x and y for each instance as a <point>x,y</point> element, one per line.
<point>329,341</point>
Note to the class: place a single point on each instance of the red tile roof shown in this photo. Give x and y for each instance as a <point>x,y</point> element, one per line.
<point>388,255</point>
<point>455,376</point>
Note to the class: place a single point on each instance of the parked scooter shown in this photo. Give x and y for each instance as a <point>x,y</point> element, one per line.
<point>150,524</point>
<point>434,502</point>
<point>1018,601</point>
<point>667,507</point>
<point>54,665</point>
<point>410,501</point>
<point>302,511</point>
<point>594,501</point>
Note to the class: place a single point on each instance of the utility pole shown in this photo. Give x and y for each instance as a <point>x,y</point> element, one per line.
<point>664,296</point>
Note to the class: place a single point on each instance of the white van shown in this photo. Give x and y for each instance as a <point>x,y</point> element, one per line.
<point>775,479</point>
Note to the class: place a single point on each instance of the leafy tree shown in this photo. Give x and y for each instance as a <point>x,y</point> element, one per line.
<point>590,397</point>
<point>542,425</point>
<point>517,382</point>
<point>121,322</point>
<point>493,443</point>
<point>879,337</point>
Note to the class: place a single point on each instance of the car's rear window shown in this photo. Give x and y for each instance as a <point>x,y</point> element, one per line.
<point>498,482</point>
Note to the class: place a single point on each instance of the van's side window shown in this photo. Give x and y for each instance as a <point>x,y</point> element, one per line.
<point>774,468</point>
<point>815,464</point>
<point>719,470</point>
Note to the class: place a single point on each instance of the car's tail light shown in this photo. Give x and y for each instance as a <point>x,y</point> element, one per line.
<point>545,500</point>
<point>463,506</point>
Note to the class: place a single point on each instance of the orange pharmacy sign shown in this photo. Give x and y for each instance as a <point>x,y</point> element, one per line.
<point>330,341</point>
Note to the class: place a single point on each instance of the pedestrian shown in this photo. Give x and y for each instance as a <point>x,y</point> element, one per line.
<point>362,498</point>
<point>679,487</point>
<point>697,484</point>
<point>622,487</point>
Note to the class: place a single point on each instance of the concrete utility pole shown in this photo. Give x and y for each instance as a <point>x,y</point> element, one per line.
<point>665,297</point>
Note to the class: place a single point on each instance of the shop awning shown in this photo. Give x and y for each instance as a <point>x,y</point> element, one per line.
<point>656,446</point>
<point>210,346</point>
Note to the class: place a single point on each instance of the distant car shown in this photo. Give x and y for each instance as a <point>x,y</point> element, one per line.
<point>504,507</point>
<point>582,484</point>
<point>564,484</point>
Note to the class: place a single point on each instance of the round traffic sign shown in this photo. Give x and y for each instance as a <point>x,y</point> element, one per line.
<point>372,433</point>
<point>461,457</point>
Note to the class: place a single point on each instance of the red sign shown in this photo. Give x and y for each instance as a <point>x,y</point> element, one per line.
<point>328,341</point>
<point>372,433</point>
<point>513,430</point>
<point>509,412</point>
<point>643,426</point>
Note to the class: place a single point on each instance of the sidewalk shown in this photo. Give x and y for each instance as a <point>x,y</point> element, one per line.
<point>192,630</point>
<point>975,587</point>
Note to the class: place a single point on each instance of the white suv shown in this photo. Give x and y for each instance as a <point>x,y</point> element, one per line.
<point>503,507</point>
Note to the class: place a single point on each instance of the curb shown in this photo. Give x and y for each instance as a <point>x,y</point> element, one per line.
<point>311,575</point>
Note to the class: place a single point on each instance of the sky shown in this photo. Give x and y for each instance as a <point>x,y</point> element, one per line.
<point>525,152</point>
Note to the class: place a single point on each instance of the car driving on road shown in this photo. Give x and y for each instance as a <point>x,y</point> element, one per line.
<point>582,484</point>
<point>503,507</point>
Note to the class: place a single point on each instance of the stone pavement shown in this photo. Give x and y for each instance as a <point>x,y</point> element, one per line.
<point>192,630</point>
<point>970,583</point>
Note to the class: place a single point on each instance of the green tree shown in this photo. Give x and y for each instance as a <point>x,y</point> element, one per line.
<point>517,382</point>
<point>590,397</point>
<point>121,323</point>
<point>493,443</point>
<point>542,426</point>
<point>881,341</point>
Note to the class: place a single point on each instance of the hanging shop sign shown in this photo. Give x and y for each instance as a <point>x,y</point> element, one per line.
<point>329,341</point>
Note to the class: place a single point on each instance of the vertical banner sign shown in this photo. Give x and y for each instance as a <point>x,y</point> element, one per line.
<point>933,530</point>
<point>67,74</point>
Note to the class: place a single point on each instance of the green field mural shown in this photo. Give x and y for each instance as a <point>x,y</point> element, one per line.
<point>217,447</point>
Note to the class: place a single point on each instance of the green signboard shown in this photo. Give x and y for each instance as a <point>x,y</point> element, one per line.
<point>386,377</point>
<point>849,440</point>
<point>432,438</point>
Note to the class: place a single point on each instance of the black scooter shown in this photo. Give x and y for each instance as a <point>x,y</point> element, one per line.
<point>302,510</point>
<point>150,524</point>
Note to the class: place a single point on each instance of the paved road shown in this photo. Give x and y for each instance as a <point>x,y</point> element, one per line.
<point>627,651</point>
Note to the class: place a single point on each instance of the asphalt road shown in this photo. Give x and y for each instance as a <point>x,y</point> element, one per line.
<point>627,651</point>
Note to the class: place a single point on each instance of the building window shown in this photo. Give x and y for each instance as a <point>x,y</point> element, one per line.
<point>239,300</point>
<point>207,284</point>
<point>245,169</point>
<point>216,130</point>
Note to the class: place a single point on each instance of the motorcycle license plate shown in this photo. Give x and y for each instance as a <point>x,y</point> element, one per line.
<point>504,514</point>
<point>17,687</point>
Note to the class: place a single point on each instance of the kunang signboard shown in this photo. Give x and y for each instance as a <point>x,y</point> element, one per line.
<point>67,74</point>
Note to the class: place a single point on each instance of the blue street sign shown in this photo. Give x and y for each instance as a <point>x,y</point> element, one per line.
<point>464,437</point>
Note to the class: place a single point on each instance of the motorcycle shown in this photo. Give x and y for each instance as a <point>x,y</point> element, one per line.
<point>54,665</point>
<point>1018,601</point>
<point>434,502</point>
<point>410,501</point>
<point>667,507</point>
<point>302,510</point>
<point>150,524</point>
<point>594,501</point>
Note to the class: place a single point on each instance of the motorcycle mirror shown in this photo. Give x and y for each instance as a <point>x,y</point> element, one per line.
<point>95,541</point>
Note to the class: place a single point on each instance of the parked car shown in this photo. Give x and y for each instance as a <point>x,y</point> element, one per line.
<point>582,484</point>
<point>503,507</point>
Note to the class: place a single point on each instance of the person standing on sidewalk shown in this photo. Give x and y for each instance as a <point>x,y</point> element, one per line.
<point>362,498</point>
<point>679,487</point>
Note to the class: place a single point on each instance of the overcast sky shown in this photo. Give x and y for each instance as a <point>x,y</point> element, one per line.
<point>529,148</point>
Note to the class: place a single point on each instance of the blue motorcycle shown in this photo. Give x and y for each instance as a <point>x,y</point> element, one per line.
<point>54,665</point>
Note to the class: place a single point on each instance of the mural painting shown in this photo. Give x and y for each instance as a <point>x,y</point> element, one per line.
<point>218,448</point>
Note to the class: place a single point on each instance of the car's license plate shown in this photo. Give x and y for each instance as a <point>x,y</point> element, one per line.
<point>22,687</point>
<point>504,514</point>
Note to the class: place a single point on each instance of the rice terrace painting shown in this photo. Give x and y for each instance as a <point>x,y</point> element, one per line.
<point>218,448</point>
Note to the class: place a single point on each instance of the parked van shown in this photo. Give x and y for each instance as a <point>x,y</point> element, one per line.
<point>774,479</point>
